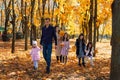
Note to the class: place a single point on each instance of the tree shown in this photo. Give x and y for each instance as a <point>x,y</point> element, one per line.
<point>39,8</point>
<point>13,24</point>
<point>26,28</point>
<point>7,13</point>
<point>91,20</point>
<point>115,57</point>
<point>49,7</point>
<point>95,26</point>
<point>43,12</point>
<point>97,33</point>
<point>54,2</point>
<point>32,14</point>
<point>22,13</point>
<point>1,18</point>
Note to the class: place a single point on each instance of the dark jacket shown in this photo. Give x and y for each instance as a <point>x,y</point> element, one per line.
<point>47,35</point>
<point>77,44</point>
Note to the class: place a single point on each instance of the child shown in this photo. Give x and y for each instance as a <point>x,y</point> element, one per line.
<point>59,40</point>
<point>80,49</point>
<point>89,52</point>
<point>65,48</point>
<point>35,54</point>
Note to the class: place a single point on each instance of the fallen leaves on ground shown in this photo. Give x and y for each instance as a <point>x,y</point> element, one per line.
<point>18,66</point>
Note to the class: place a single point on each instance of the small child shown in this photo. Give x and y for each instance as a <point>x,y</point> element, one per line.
<point>35,54</point>
<point>65,48</point>
<point>89,53</point>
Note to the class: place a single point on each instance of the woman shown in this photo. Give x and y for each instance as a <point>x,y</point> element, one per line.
<point>59,41</point>
<point>80,49</point>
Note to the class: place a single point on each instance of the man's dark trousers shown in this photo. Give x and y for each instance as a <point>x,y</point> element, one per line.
<point>47,51</point>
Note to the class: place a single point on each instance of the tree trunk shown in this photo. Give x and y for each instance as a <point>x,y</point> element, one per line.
<point>57,21</point>
<point>1,17</point>
<point>13,24</point>
<point>86,30</point>
<point>102,32</point>
<point>95,19</point>
<point>22,13</point>
<point>86,25</point>
<point>53,10</point>
<point>7,14</point>
<point>91,20</point>
<point>32,14</point>
<point>115,57</point>
<point>26,29</point>
<point>34,32</point>
<point>97,34</point>
<point>39,8</point>
<point>83,24</point>
<point>43,12</point>
<point>49,7</point>
<point>43,7</point>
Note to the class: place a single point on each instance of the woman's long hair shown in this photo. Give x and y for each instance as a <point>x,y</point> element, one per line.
<point>67,39</point>
<point>56,27</point>
<point>83,40</point>
<point>90,43</point>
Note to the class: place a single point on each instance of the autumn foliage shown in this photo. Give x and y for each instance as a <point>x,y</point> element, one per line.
<point>73,17</point>
<point>19,66</point>
<point>71,13</point>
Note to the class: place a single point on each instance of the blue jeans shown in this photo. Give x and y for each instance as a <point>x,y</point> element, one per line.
<point>47,50</point>
<point>35,64</point>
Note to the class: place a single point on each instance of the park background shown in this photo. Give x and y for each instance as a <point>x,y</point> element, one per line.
<point>21,22</point>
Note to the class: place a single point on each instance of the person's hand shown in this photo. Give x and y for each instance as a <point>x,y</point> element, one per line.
<point>76,56</point>
<point>41,46</point>
<point>55,46</point>
<point>86,51</point>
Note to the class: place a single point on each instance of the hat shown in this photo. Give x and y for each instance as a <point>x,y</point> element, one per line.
<point>34,42</point>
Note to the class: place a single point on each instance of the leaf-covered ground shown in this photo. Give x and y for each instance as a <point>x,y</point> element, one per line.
<point>18,66</point>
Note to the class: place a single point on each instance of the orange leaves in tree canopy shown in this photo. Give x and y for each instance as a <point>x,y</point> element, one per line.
<point>70,12</point>
<point>57,11</point>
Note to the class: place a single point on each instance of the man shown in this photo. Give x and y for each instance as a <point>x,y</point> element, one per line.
<point>48,33</point>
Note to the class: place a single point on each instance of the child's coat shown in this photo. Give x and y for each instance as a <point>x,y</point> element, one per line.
<point>65,48</point>
<point>35,53</point>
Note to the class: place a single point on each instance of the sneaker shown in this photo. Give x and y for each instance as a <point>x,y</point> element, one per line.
<point>35,68</point>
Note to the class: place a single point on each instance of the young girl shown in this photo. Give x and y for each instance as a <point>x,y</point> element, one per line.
<point>35,54</point>
<point>65,48</point>
<point>89,52</point>
<point>59,40</point>
<point>80,49</point>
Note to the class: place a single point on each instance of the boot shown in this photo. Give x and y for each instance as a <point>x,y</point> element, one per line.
<point>60,58</point>
<point>79,62</point>
<point>47,70</point>
<point>83,65</point>
<point>65,59</point>
<point>57,57</point>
